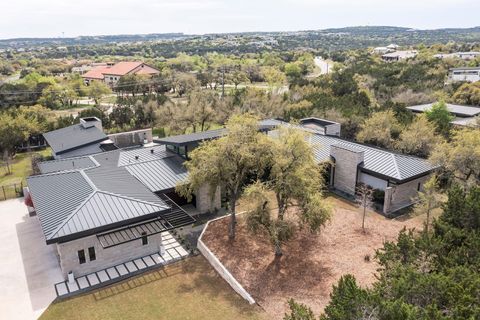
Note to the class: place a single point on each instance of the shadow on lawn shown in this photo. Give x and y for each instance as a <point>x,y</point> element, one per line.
<point>138,281</point>
<point>208,283</point>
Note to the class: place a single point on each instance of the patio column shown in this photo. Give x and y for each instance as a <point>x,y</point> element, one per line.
<point>161,247</point>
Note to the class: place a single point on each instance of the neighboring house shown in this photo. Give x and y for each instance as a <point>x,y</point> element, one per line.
<point>111,74</point>
<point>460,55</point>
<point>464,115</point>
<point>109,208</point>
<point>87,67</point>
<point>399,55</point>
<point>381,50</point>
<point>464,74</point>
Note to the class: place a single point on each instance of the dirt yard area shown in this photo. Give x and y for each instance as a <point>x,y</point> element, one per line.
<point>311,264</point>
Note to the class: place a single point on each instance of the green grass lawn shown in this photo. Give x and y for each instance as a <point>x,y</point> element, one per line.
<point>20,167</point>
<point>190,289</point>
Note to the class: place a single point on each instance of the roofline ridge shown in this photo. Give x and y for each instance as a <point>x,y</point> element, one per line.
<point>129,198</point>
<point>147,161</point>
<point>70,216</point>
<point>90,182</point>
<point>396,166</point>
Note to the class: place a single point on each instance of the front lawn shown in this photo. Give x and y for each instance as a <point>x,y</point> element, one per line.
<point>190,289</point>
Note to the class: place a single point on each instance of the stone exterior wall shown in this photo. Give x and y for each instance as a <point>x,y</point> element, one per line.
<point>105,258</point>
<point>333,129</point>
<point>131,138</point>
<point>402,195</point>
<point>346,166</point>
<point>204,201</point>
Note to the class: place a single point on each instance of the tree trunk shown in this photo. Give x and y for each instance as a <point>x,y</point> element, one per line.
<point>363,219</point>
<point>278,250</point>
<point>233,218</point>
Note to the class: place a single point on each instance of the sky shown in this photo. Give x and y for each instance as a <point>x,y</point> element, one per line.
<point>71,18</point>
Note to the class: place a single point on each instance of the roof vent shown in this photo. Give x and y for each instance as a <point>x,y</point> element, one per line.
<point>136,157</point>
<point>151,151</point>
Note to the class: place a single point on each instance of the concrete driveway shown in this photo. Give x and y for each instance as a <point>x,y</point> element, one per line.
<point>28,267</point>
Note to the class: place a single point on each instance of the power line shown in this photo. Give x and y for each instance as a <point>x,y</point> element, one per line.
<point>158,81</point>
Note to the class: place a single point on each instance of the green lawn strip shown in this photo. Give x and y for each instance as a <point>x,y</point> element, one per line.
<point>190,289</point>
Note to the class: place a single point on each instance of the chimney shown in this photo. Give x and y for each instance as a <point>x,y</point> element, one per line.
<point>90,122</point>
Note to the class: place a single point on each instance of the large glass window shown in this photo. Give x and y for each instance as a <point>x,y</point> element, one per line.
<point>81,256</point>
<point>144,238</point>
<point>91,254</point>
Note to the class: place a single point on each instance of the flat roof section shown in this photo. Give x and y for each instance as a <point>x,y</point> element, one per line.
<point>459,110</point>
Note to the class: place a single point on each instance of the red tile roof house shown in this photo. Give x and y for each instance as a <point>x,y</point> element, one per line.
<point>111,75</point>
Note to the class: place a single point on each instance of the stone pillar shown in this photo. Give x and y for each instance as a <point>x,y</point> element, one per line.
<point>204,200</point>
<point>387,202</point>
<point>161,246</point>
<point>347,158</point>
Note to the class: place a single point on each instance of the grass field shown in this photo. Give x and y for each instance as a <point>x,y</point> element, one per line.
<point>20,167</point>
<point>190,289</point>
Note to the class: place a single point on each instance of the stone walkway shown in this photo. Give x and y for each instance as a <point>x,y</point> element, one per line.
<point>173,252</point>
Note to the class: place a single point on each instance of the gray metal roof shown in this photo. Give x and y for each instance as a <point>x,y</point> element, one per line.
<point>96,193</point>
<point>102,209</point>
<point>66,164</point>
<point>72,137</point>
<point>389,164</point>
<point>139,155</point>
<point>160,175</point>
<point>456,109</point>
<point>192,137</point>
<point>89,149</point>
<point>212,134</point>
<point>56,196</point>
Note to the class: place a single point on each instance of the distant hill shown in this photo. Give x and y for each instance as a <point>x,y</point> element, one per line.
<point>331,39</point>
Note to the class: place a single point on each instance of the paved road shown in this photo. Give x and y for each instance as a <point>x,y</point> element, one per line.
<point>324,67</point>
<point>28,268</point>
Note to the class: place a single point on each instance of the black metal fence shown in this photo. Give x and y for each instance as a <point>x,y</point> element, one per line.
<point>10,191</point>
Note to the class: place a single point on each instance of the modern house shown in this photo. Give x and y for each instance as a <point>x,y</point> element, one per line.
<point>470,55</point>
<point>104,209</point>
<point>464,74</point>
<point>399,55</point>
<point>464,115</point>
<point>111,74</point>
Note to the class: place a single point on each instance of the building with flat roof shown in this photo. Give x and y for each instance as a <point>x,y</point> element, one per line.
<point>464,115</point>
<point>467,74</point>
<point>400,55</point>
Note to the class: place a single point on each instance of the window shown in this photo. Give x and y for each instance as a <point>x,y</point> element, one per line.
<point>81,256</point>
<point>144,238</point>
<point>418,187</point>
<point>91,254</point>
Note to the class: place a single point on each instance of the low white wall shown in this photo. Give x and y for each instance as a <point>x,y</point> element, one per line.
<point>220,268</point>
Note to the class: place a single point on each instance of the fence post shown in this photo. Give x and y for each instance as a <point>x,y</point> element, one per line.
<point>4,195</point>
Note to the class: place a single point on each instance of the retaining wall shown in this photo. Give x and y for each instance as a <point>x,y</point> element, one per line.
<point>220,268</point>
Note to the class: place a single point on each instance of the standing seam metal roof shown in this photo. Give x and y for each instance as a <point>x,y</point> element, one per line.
<point>72,137</point>
<point>390,164</point>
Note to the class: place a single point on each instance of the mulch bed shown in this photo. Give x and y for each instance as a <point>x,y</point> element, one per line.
<point>311,263</point>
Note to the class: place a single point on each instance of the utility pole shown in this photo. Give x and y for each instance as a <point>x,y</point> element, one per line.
<point>223,81</point>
